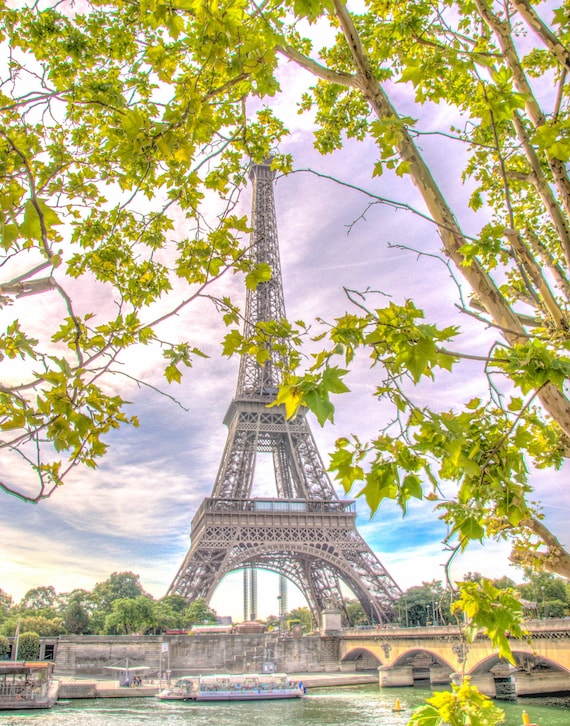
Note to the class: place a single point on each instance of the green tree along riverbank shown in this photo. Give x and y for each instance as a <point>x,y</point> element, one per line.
<point>118,605</point>
<point>121,606</point>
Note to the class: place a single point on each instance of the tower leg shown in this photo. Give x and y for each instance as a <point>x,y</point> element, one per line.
<point>253,593</point>
<point>246,593</point>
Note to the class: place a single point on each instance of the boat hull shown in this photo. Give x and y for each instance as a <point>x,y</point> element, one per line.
<point>230,696</point>
<point>249,697</point>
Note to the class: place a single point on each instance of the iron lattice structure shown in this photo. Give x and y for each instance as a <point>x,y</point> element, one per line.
<point>306,533</point>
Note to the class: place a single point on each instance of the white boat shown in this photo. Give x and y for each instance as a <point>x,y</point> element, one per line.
<point>27,684</point>
<point>224,687</point>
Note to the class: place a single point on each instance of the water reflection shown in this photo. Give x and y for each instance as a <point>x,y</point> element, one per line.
<point>345,706</point>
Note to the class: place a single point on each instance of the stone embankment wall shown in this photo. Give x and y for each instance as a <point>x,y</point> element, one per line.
<point>88,655</point>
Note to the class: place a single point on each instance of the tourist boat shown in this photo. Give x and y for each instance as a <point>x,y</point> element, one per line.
<point>244,687</point>
<point>27,684</point>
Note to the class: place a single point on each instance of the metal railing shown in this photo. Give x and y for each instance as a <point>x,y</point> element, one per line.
<point>337,506</point>
<point>24,692</point>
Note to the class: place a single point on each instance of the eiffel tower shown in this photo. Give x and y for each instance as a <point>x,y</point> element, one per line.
<point>306,533</point>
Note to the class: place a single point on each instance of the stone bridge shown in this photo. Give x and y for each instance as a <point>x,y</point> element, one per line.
<point>433,655</point>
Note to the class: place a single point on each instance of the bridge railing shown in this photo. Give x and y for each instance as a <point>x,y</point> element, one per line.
<point>395,629</point>
<point>545,628</point>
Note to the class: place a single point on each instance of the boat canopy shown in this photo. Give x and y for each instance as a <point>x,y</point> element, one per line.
<point>15,666</point>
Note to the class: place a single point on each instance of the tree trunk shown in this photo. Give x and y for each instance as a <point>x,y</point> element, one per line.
<point>552,398</point>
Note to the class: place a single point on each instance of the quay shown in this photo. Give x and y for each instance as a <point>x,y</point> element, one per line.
<point>74,688</point>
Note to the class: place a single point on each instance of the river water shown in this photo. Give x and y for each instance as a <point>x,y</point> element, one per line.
<point>337,706</point>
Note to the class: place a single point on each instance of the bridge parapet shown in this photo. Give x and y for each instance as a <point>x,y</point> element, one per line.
<point>551,628</point>
<point>396,632</point>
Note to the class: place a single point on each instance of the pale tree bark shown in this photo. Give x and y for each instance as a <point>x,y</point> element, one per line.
<point>556,559</point>
<point>543,188</point>
<point>558,50</point>
<point>502,32</point>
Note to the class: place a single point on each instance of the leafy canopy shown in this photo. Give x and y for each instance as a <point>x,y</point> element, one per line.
<point>125,124</point>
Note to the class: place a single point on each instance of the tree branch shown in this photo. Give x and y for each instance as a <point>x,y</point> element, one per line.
<point>21,287</point>
<point>379,199</point>
<point>556,558</point>
<point>341,79</point>
<point>502,33</point>
<point>552,398</point>
<point>558,50</point>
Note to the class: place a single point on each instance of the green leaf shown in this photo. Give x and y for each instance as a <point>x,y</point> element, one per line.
<point>172,374</point>
<point>414,73</point>
<point>290,396</point>
<point>36,214</point>
<point>320,405</point>
<point>412,486</point>
<point>493,611</point>
<point>311,9</point>
<point>9,233</point>
<point>381,483</point>
<point>132,121</point>
<point>464,705</point>
<point>260,273</point>
<point>471,529</point>
<point>332,380</point>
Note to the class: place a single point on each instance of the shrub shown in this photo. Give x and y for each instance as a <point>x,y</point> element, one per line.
<point>5,648</point>
<point>29,646</point>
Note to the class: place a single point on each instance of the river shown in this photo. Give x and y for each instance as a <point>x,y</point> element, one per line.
<point>337,706</point>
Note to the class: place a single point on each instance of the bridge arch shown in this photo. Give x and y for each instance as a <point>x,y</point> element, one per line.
<point>424,655</point>
<point>426,667</point>
<point>542,662</point>
<point>360,659</point>
<point>534,673</point>
<point>527,662</point>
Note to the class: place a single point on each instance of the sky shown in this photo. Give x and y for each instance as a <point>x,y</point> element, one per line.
<point>133,513</point>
